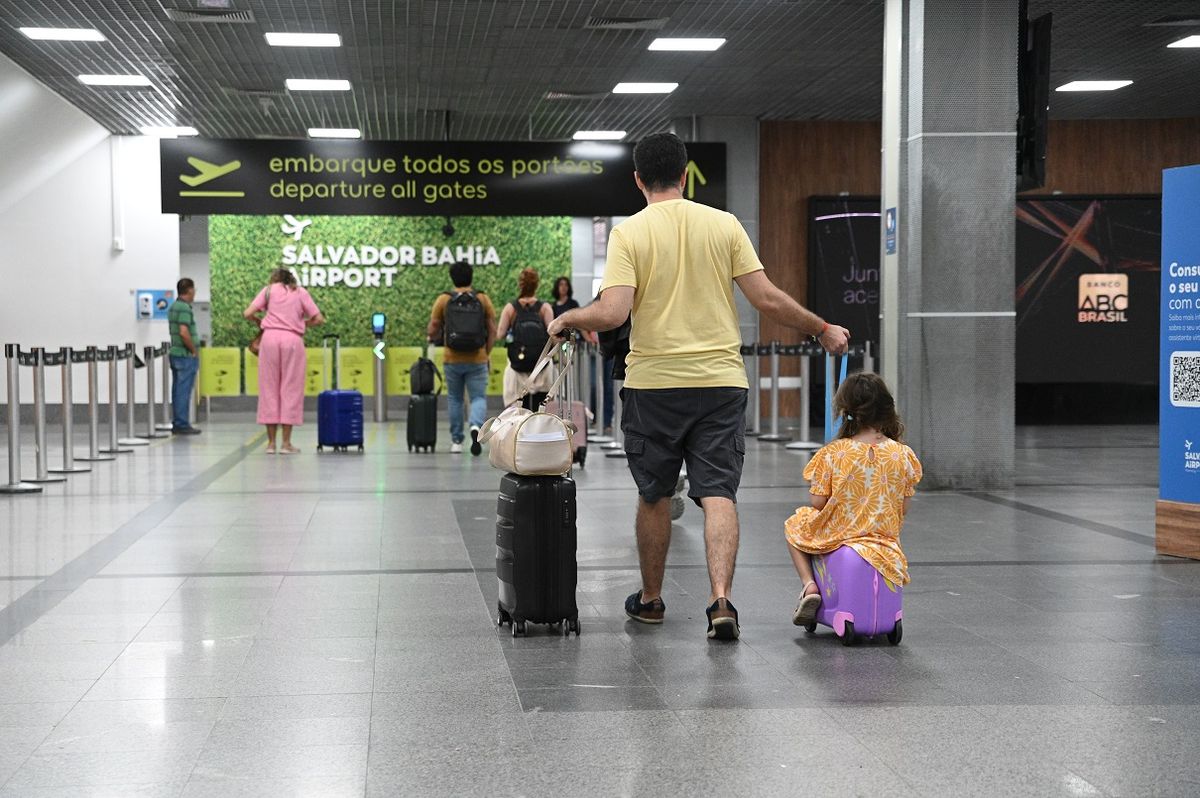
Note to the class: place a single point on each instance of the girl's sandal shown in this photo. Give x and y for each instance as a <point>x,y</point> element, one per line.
<point>806,609</point>
<point>270,450</point>
<point>289,450</point>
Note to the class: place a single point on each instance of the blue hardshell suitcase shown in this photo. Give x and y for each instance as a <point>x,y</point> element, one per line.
<point>339,413</point>
<point>339,420</point>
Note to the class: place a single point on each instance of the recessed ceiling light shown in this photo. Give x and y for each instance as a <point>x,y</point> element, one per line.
<point>170,131</point>
<point>114,80</point>
<point>687,45</point>
<point>645,88</point>
<point>1094,85</point>
<point>306,84</point>
<point>599,135</point>
<point>63,34</point>
<point>1190,41</point>
<point>304,39</point>
<point>334,132</point>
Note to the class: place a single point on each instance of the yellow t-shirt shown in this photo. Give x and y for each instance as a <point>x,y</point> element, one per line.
<point>439,314</point>
<point>681,257</point>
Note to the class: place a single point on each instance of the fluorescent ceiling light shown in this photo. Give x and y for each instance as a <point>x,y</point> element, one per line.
<point>334,132</point>
<point>305,84</point>
<point>1094,85</point>
<point>645,88</point>
<point>63,34</point>
<point>1190,41</point>
<point>687,45</point>
<point>599,135</point>
<point>304,39</point>
<point>170,131</point>
<point>114,80</point>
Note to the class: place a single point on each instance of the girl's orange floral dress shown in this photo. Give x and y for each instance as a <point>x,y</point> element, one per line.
<point>867,485</point>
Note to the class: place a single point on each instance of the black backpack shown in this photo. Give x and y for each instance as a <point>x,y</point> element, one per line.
<point>466,324</point>
<point>529,337</point>
<point>615,344</point>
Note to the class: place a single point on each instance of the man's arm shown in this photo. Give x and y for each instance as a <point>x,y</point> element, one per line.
<point>781,308</point>
<point>606,313</point>
<point>185,335</point>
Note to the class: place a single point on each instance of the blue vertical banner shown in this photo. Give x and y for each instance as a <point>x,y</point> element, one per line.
<point>1179,351</point>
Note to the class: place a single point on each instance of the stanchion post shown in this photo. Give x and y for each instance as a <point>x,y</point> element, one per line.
<point>600,437</point>
<point>68,416</point>
<point>130,399</point>
<point>11,355</point>
<point>42,467</point>
<point>164,421</point>
<point>805,432</point>
<point>152,432</point>
<point>114,442</point>
<point>775,435</point>
<point>91,357</point>
<point>617,447</point>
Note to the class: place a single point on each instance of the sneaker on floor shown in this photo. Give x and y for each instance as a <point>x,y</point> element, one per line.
<point>476,449</point>
<point>650,612</point>
<point>185,431</point>
<point>456,448</point>
<point>722,620</point>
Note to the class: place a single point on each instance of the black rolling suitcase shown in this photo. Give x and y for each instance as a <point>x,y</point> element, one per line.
<point>535,552</point>
<point>422,422</point>
<point>422,406</point>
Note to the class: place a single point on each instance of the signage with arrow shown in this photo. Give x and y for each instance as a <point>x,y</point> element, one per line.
<point>694,174</point>
<point>378,350</point>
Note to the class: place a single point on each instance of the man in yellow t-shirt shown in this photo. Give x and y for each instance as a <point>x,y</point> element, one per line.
<point>468,329</point>
<point>673,265</point>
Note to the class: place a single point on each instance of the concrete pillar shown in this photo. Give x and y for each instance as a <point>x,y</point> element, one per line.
<point>948,319</point>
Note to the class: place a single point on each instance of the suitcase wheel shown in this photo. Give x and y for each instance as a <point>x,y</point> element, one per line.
<point>320,448</point>
<point>360,447</point>
<point>410,448</point>
<point>570,625</point>
<point>518,629</point>
<point>897,633</point>
<point>502,616</point>
<point>810,627</point>
<point>849,637</point>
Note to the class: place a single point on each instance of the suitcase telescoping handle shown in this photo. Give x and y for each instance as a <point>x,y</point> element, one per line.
<point>337,351</point>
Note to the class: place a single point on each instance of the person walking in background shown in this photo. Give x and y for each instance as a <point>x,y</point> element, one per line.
<point>674,265</point>
<point>465,322</point>
<point>526,318</point>
<point>286,311</point>
<point>185,360</point>
<point>564,296</point>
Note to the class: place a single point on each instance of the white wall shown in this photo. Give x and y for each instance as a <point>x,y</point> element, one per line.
<point>62,282</point>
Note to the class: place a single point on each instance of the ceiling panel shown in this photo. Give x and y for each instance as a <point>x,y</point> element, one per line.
<point>482,68</point>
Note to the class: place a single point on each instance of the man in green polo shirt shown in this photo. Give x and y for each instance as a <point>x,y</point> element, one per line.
<point>185,361</point>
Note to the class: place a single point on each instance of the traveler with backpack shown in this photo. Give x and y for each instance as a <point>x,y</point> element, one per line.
<point>465,322</point>
<point>525,319</point>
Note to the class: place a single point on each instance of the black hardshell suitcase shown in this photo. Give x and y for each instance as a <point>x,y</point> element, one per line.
<point>535,552</point>
<point>422,422</point>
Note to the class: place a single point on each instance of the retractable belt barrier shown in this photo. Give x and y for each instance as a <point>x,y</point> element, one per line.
<point>164,421</point>
<point>13,357</point>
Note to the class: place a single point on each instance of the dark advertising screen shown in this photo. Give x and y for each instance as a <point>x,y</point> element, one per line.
<point>843,264</point>
<point>1087,271</point>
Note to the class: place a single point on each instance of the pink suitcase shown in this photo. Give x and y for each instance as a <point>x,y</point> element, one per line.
<point>856,600</point>
<point>578,417</point>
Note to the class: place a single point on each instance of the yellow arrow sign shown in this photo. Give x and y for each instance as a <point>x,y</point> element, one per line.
<point>694,174</point>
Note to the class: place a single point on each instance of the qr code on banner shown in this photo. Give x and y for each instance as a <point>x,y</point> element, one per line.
<point>1185,379</point>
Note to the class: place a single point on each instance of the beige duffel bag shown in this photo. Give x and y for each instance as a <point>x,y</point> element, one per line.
<point>532,444</point>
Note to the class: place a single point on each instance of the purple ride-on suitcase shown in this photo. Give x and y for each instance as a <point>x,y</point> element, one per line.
<point>535,553</point>
<point>856,600</point>
<point>339,413</point>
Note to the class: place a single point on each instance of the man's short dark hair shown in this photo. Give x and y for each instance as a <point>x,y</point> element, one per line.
<point>461,274</point>
<point>184,285</point>
<point>660,160</point>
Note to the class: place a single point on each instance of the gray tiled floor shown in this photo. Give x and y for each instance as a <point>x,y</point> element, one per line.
<point>201,619</point>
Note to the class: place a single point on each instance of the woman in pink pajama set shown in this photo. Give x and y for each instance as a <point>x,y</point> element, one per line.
<point>281,358</point>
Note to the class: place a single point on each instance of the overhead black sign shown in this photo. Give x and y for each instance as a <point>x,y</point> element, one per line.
<point>417,178</point>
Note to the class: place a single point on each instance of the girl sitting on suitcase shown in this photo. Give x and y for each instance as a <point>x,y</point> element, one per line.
<point>861,484</point>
